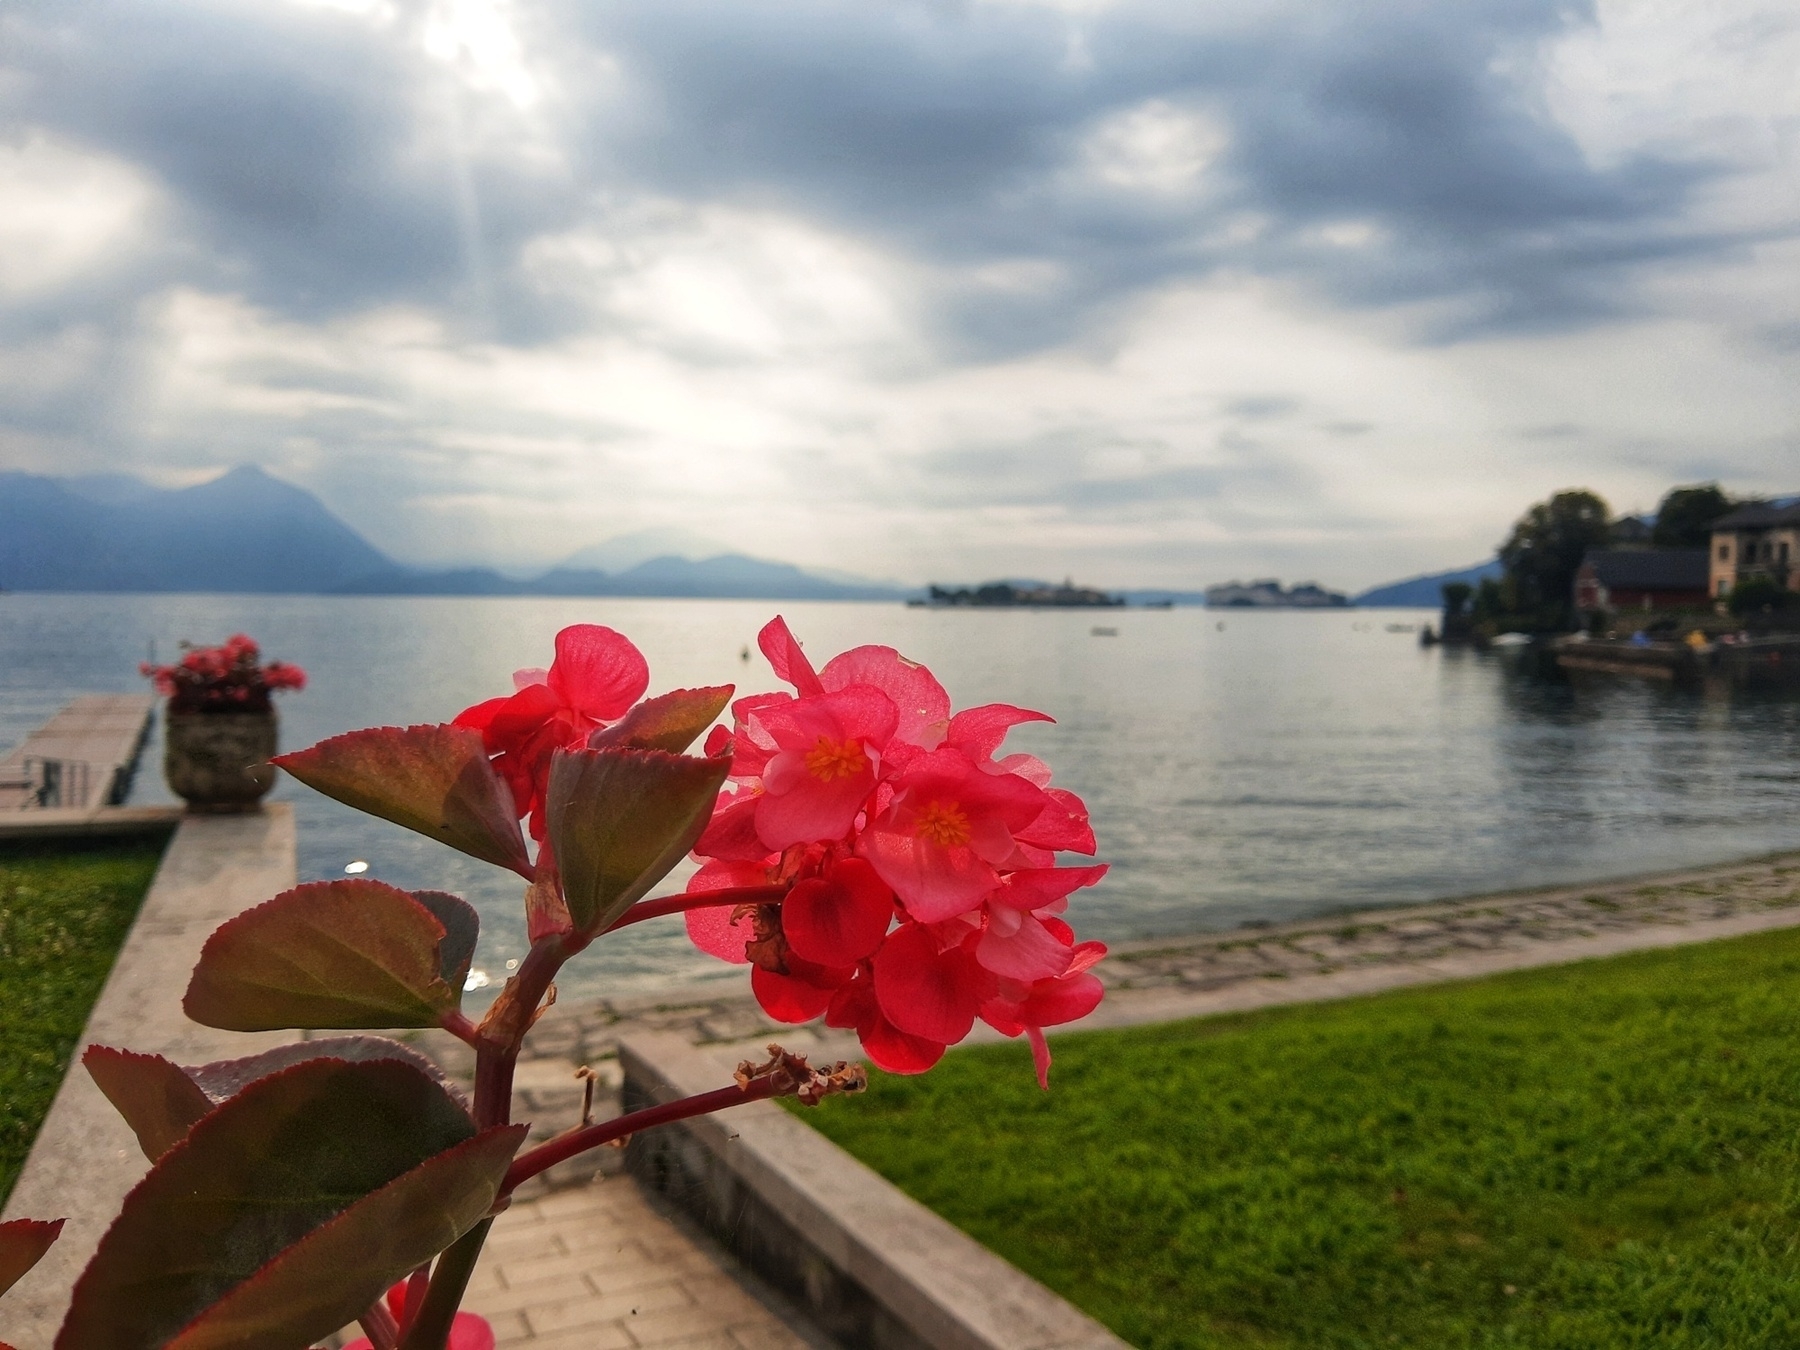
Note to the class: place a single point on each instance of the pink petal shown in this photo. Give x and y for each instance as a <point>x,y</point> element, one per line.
<point>785,656</point>
<point>838,919</point>
<point>524,679</point>
<point>979,731</point>
<point>597,671</point>
<point>1084,956</point>
<point>1063,824</point>
<point>711,929</point>
<point>1067,999</point>
<point>1040,1056</point>
<point>895,1051</point>
<point>1032,952</point>
<point>479,715</point>
<point>1029,767</point>
<point>923,704</point>
<point>788,999</point>
<point>1039,887</point>
<point>812,811</point>
<point>470,1331</point>
<point>731,833</point>
<point>934,882</point>
<point>925,992</point>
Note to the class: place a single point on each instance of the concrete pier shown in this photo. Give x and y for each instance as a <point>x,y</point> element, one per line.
<point>82,759</point>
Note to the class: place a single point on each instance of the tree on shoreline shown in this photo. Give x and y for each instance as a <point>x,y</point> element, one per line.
<point>1685,518</point>
<point>1541,557</point>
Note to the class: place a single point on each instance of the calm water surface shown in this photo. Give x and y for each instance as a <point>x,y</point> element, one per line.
<point>1239,767</point>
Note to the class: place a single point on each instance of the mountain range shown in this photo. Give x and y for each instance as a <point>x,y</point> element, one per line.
<point>1426,592</point>
<point>247,531</point>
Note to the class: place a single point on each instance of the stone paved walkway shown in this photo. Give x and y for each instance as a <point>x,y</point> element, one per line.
<point>596,1266</point>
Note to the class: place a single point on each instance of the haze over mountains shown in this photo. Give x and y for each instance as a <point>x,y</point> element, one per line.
<point>249,532</point>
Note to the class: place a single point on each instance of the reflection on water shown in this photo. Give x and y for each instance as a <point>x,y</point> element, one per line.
<point>1278,766</point>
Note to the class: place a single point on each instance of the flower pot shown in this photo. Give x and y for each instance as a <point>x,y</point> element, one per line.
<point>219,761</point>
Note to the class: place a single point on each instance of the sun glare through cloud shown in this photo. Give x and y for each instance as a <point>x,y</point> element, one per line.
<point>1128,288</point>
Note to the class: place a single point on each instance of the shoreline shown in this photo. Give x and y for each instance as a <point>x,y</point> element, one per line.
<point>1337,955</point>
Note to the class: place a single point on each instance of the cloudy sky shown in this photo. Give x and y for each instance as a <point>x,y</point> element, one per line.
<point>1148,291</point>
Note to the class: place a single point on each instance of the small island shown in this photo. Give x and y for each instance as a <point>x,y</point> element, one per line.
<point>1015,595</point>
<point>1270,594</point>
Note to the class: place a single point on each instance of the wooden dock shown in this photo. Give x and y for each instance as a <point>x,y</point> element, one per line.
<point>81,760</point>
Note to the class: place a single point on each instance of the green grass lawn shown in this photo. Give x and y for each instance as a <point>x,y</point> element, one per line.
<point>63,913</point>
<point>1605,1154</point>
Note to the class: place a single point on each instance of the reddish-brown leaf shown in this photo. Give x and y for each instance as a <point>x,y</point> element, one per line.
<point>155,1095</point>
<point>669,721</point>
<point>437,780</point>
<point>620,819</point>
<point>255,1183</point>
<point>162,1100</point>
<point>353,953</point>
<point>23,1243</point>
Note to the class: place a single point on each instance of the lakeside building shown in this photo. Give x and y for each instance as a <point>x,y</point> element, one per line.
<point>1641,578</point>
<point>1269,593</point>
<point>1761,539</point>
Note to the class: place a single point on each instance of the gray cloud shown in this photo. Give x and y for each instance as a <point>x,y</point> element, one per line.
<point>309,154</point>
<point>1386,163</point>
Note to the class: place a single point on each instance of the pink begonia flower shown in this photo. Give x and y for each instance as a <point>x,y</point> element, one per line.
<point>469,1331</point>
<point>947,829</point>
<point>923,892</point>
<point>928,989</point>
<point>596,677</point>
<point>827,747</point>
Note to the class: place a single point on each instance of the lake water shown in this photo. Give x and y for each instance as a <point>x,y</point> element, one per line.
<point>1240,767</point>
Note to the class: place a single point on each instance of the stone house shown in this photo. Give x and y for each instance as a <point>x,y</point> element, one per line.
<point>1761,539</point>
<point>1611,579</point>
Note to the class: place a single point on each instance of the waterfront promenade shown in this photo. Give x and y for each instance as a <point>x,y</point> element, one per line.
<point>584,1258</point>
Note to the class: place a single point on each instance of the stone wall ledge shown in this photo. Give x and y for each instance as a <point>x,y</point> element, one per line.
<point>871,1266</point>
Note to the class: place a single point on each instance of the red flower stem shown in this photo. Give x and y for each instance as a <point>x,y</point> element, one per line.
<point>459,1026</point>
<point>566,1146</point>
<point>678,904</point>
<point>494,1060</point>
<point>378,1323</point>
<point>431,1330</point>
<point>416,1285</point>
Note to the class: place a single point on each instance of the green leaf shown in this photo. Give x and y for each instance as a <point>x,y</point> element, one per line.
<point>437,780</point>
<point>286,1211</point>
<point>162,1100</point>
<point>23,1243</point>
<point>669,721</point>
<point>155,1095</point>
<point>351,953</point>
<point>620,819</point>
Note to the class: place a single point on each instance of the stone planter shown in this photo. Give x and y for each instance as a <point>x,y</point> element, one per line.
<point>219,762</point>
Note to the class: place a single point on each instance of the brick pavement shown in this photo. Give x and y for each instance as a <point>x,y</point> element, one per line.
<point>595,1266</point>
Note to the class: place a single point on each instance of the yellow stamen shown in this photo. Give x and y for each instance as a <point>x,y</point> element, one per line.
<point>944,824</point>
<point>830,760</point>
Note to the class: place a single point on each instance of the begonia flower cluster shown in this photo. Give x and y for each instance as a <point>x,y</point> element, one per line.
<point>226,678</point>
<point>922,891</point>
<point>924,887</point>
